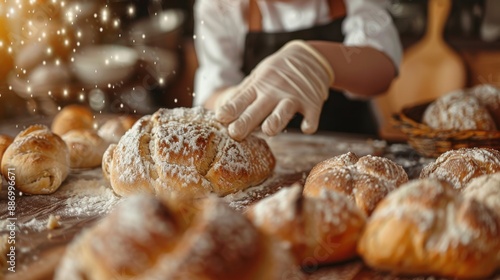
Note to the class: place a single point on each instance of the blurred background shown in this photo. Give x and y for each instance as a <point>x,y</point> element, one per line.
<point>134,56</point>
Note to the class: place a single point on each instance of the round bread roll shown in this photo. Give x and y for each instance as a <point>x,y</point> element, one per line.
<point>458,110</point>
<point>156,241</point>
<point>86,148</point>
<point>426,227</point>
<point>5,141</point>
<point>113,129</point>
<point>489,97</point>
<point>461,165</point>
<point>187,152</point>
<point>319,230</point>
<point>71,117</point>
<point>39,158</point>
<point>366,180</point>
<point>485,189</point>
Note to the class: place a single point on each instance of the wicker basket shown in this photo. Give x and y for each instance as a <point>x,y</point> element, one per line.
<point>431,143</point>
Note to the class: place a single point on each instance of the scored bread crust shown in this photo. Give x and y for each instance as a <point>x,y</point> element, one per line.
<point>459,166</point>
<point>187,152</point>
<point>366,180</point>
<point>426,227</point>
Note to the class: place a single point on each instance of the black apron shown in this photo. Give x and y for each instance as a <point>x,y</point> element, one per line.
<point>339,113</point>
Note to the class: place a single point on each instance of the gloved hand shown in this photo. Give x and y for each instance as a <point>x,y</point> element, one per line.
<point>294,79</point>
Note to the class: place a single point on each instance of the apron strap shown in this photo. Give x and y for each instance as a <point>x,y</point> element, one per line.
<point>337,10</point>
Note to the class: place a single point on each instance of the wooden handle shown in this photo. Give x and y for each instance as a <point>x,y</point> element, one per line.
<point>439,11</point>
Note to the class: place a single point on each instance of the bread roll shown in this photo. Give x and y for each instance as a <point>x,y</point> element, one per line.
<point>39,158</point>
<point>86,148</point>
<point>319,230</point>
<point>366,180</point>
<point>485,189</point>
<point>185,150</point>
<point>458,110</point>
<point>113,129</point>
<point>461,165</point>
<point>426,227</point>
<point>489,97</point>
<point>154,242</point>
<point>5,141</point>
<point>71,117</point>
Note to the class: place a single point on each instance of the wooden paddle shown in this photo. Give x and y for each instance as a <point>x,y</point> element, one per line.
<point>430,68</point>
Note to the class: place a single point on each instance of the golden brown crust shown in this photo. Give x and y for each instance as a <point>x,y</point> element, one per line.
<point>71,117</point>
<point>86,148</point>
<point>185,150</point>
<point>154,242</point>
<point>319,230</point>
<point>39,158</point>
<point>366,180</point>
<point>458,110</point>
<point>426,227</point>
<point>461,165</point>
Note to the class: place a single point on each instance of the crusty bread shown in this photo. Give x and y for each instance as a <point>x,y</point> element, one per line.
<point>319,230</point>
<point>86,148</point>
<point>461,165</point>
<point>39,158</point>
<point>185,150</point>
<point>114,128</point>
<point>426,227</point>
<point>366,180</point>
<point>458,110</point>
<point>485,189</point>
<point>488,96</point>
<point>158,241</point>
<point>5,141</point>
<point>71,117</point>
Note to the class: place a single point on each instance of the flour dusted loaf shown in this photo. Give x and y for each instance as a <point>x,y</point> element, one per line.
<point>426,227</point>
<point>145,238</point>
<point>319,230</point>
<point>187,152</point>
<point>365,179</point>
<point>39,158</point>
<point>461,165</point>
<point>485,189</point>
<point>476,108</point>
<point>86,148</point>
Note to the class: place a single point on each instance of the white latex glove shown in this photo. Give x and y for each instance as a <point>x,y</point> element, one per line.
<point>295,79</point>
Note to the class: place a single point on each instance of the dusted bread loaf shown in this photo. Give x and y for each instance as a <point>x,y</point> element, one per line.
<point>458,111</point>
<point>144,238</point>
<point>39,158</point>
<point>186,151</point>
<point>426,227</point>
<point>366,180</point>
<point>461,165</point>
<point>319,230</point>
<point>485,189</point>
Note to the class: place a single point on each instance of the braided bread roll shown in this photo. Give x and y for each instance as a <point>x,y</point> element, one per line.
<point>319,230</point>
<point>39,158</point>
<point>366,180</point>
<point>426,227</point>
<point>461,165</point>
<point>185,150</point>
<point>158,240</point>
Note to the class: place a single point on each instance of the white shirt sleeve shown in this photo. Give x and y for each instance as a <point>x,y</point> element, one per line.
<point>368,23</point>
<point>218,37</point>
